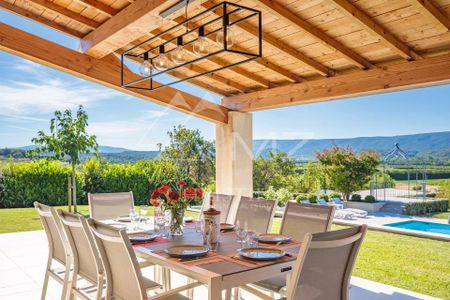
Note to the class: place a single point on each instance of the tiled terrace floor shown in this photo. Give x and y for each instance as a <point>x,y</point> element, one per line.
<point>23,257</point>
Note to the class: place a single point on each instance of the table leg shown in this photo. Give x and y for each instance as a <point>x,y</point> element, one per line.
<point>215,289</point>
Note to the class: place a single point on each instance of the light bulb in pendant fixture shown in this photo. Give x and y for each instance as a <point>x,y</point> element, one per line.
<point>201,45</point>
<point>161,62</point>
<point>145,69</point>
<point>179,55</point>
<point>230,38</point>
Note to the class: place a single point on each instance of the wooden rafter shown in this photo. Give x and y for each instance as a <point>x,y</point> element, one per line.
<point>100,6</point>
<point>51,6</point>
<point>292,19</point>
<point>105,71</point>
<point>364,20</point>
<point>37,18</point>
<point>283,47</point>
<point>429,9</point>
<point>129,24</point>
<point>421,73</point>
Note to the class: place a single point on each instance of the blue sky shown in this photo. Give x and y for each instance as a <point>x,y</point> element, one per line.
<point>30,93</point>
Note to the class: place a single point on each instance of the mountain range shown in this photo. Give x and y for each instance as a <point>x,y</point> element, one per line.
<point>434,144</point>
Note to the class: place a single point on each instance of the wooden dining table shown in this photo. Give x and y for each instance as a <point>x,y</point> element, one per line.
<point>221,269</point>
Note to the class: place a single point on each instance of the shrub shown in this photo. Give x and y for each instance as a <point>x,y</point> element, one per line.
<point>417,188</point>
<point>312,198</point>
<point>356,197</point>
<point>335,195</point>
<point>301,197</point>
<point>421,208</point>
<point>282,195</point>
<point>370,199</point>
<point>45,181</point>
<point>325,197</point>
<point>431,195</point>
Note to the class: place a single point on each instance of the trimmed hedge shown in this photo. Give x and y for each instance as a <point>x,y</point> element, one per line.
<point>46,181</point>
<point>422,208</point>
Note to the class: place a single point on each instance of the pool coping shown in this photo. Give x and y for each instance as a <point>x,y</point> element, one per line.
<point>409,232</point>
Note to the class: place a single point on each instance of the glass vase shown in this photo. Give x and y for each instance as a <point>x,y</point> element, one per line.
<point>176,221</point>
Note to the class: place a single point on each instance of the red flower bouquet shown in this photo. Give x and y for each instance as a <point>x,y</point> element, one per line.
<point>175,198</point>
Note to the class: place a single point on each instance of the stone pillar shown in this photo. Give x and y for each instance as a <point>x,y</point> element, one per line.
<point>234,155</point>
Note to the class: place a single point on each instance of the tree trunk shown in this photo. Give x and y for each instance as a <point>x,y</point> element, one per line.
<point>74,189</point>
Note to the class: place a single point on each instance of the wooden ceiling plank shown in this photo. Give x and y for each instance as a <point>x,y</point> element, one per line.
<point>100,6</point>
<point>292,19</point>
<point>364,20</point>
<point>131,23</point>
<point>283,47</point>
<point>66,13</point>
<point>406,75</point>
<point>105,71</point>
<point>430,10</point>
<point>37,18</point>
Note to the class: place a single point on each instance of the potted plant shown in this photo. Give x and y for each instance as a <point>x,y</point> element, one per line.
<point>175,199</point>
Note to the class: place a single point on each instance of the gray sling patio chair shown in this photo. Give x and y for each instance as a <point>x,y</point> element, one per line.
<point>87,265</point>
<point>124,279</point>
<point>324,265</point>
<point>104,206</point>
<point>222,203</point>
<point>257,213</point>
<point>298,220</point>
<point>58,250</point>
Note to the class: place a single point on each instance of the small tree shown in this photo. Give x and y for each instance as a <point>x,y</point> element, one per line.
<point>67,140</point>
<point>192,153</point>
<point>348,172</point>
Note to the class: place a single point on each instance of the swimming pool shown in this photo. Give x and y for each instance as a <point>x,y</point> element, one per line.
<point>422,226</point>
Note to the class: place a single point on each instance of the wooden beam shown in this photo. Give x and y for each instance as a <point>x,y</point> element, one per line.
<point>430,10</point>
<point>100,6</point>
<point>37,18</point>
<point>292,19</point>
<point>283,47</point>
<point>421,73</point>
<point>51,6</point>
<point>132,22</point>
<point>105,71</point>
<point>374,28</point>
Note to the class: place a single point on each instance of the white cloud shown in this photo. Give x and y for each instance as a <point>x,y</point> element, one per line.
<point>22,99</point>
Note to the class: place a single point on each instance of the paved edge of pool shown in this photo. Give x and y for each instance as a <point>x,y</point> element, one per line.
<point>415,233</point>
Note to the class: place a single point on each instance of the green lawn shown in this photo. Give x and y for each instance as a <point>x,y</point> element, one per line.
<point>416,264</point>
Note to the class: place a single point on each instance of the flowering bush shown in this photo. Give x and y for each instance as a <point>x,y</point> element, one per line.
<point>175,196</point>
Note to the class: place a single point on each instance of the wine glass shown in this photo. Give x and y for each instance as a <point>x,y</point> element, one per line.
<point>143,210</point>
<point>134,218</point>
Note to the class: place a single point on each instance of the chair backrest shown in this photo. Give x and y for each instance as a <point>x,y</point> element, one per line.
<point>324,265</point>
<point>110,205</point>
<point>222,203</point>
<point>123,275</point>
<point>57,241</point>
<point>337,200</point>
<point>86,259</point>
<point>258,213</point>
<point>299,219</point>
<point>322,202</point>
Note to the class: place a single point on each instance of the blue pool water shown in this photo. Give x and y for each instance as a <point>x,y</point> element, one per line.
<point>422,226</point>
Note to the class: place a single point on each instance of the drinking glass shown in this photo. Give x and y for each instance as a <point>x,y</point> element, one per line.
<point>134,218</point>
<point>241,233</point>
<point>143,210</point>
<point>251,239</point>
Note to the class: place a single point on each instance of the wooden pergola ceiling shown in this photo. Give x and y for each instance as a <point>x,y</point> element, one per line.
<point>313,50</point>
